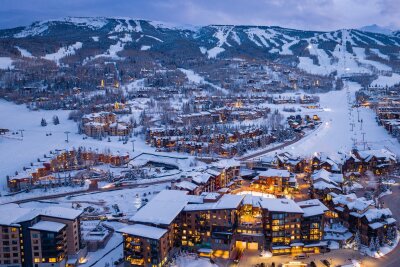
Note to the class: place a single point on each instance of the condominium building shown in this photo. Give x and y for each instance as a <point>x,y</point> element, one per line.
<point>40,237</point>
<point>220,225</point>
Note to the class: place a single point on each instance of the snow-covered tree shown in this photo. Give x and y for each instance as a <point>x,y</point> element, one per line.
<point>377,243</point>
<point>357,241</point>
<point>389,236</point>
<point>56,121</point>
<point>372,246</point>
<point>43,123</point>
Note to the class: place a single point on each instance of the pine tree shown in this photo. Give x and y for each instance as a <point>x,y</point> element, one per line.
<point>372,245</point>
<point>394,233</point>
<point>357,241</point>
<point>377,244</point>
<point>56,121</point>
<point>43,122</point>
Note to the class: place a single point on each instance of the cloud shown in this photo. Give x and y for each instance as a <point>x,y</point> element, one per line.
<point>303,14</point>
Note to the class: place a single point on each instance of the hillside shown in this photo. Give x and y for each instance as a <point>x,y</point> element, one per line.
<point>84,41</point>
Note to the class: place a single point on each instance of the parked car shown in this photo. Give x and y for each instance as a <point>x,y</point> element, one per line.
<point>300,257</point>
<point>326,263</point>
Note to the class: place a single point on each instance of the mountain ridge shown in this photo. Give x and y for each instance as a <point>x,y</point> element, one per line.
<point>319,52</point>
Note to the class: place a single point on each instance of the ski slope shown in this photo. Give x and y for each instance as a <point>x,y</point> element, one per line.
<point>335,134</point>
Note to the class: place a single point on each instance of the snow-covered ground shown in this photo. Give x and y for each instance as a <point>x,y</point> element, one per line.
<point>63,52</point>
<point>17,152</point>
<point>335,133</point>
<point>387,80</point>
<point>6,63</point>
<point>112,252</point>
<point>193,261</point>
<point>24,52</point>
<point>382,250</point>
<point>128,200</point>
<point>197,79</point>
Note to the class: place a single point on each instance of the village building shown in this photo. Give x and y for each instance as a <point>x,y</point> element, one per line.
<point>40,237</point>
<point>363,218</point>
<point>43,172</point>
<point>275,181</point>
<point>219,225</point>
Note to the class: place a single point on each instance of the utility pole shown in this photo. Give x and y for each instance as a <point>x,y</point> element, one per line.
<point>361,124</point>
<point>133,145</point>
<point>352,125</point>
<point>363,134</point>
<point>354,142</point>
<point>22,132</point>
<point>358,115</point>
<point>67,132</point>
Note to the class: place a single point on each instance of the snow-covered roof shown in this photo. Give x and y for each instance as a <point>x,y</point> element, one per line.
<point>376,225</point>
<point>225,202</point>
<point>390,220</point>
<point>226,163</point>
<point>163,208</point>
<point>312,207</point>
<point>379,153</point>
<point>143,231</point>
<point>60,212</point>
<point>213,172</point>
<point>280,205</point>
<point>332,158</point>
<point>327,176</point>
<point>322,185</point>
<point>359,204</point>
<point>343,199</point>
<point>210,195</point>
<point>186,185</point>
<point>353,202</point>
<point>275,173</point>
<point>375,214</point>
<point>144,158</point>
<point>48,226</point>
<point>14,212</point>
<point>201,178</point>
<point>252,200</point>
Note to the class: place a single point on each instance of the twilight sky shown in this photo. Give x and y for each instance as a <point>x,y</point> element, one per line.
<point>301,14</point>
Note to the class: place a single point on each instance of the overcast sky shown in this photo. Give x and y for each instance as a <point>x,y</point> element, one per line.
<point>301,14</point>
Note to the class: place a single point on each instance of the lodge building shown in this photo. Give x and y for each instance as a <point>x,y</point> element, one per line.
<point>219,225</point>
<point>43,237</point>
<point>61,161</point>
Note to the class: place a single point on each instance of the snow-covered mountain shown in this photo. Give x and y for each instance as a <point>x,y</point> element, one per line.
<point>87,39</point>
<point>378,29</point>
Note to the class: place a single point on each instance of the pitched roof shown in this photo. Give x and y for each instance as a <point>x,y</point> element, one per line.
<point>275,172</point>
<point>163,208</point>
<point>16,214</point>
<point>312,207</point>
<point>48,226</point>
<point>225,202</point>
<point>280,205</point>
<point>143,231</point>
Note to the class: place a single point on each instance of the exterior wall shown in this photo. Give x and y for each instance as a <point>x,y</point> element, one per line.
<point>48,250</point>
<point>10,246</point>
<point>282,229</point>
<point>275,184</point>
<point>312,228</point>
<point>140,251</point>
<point>73,233</point>
<point>214,228</point>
